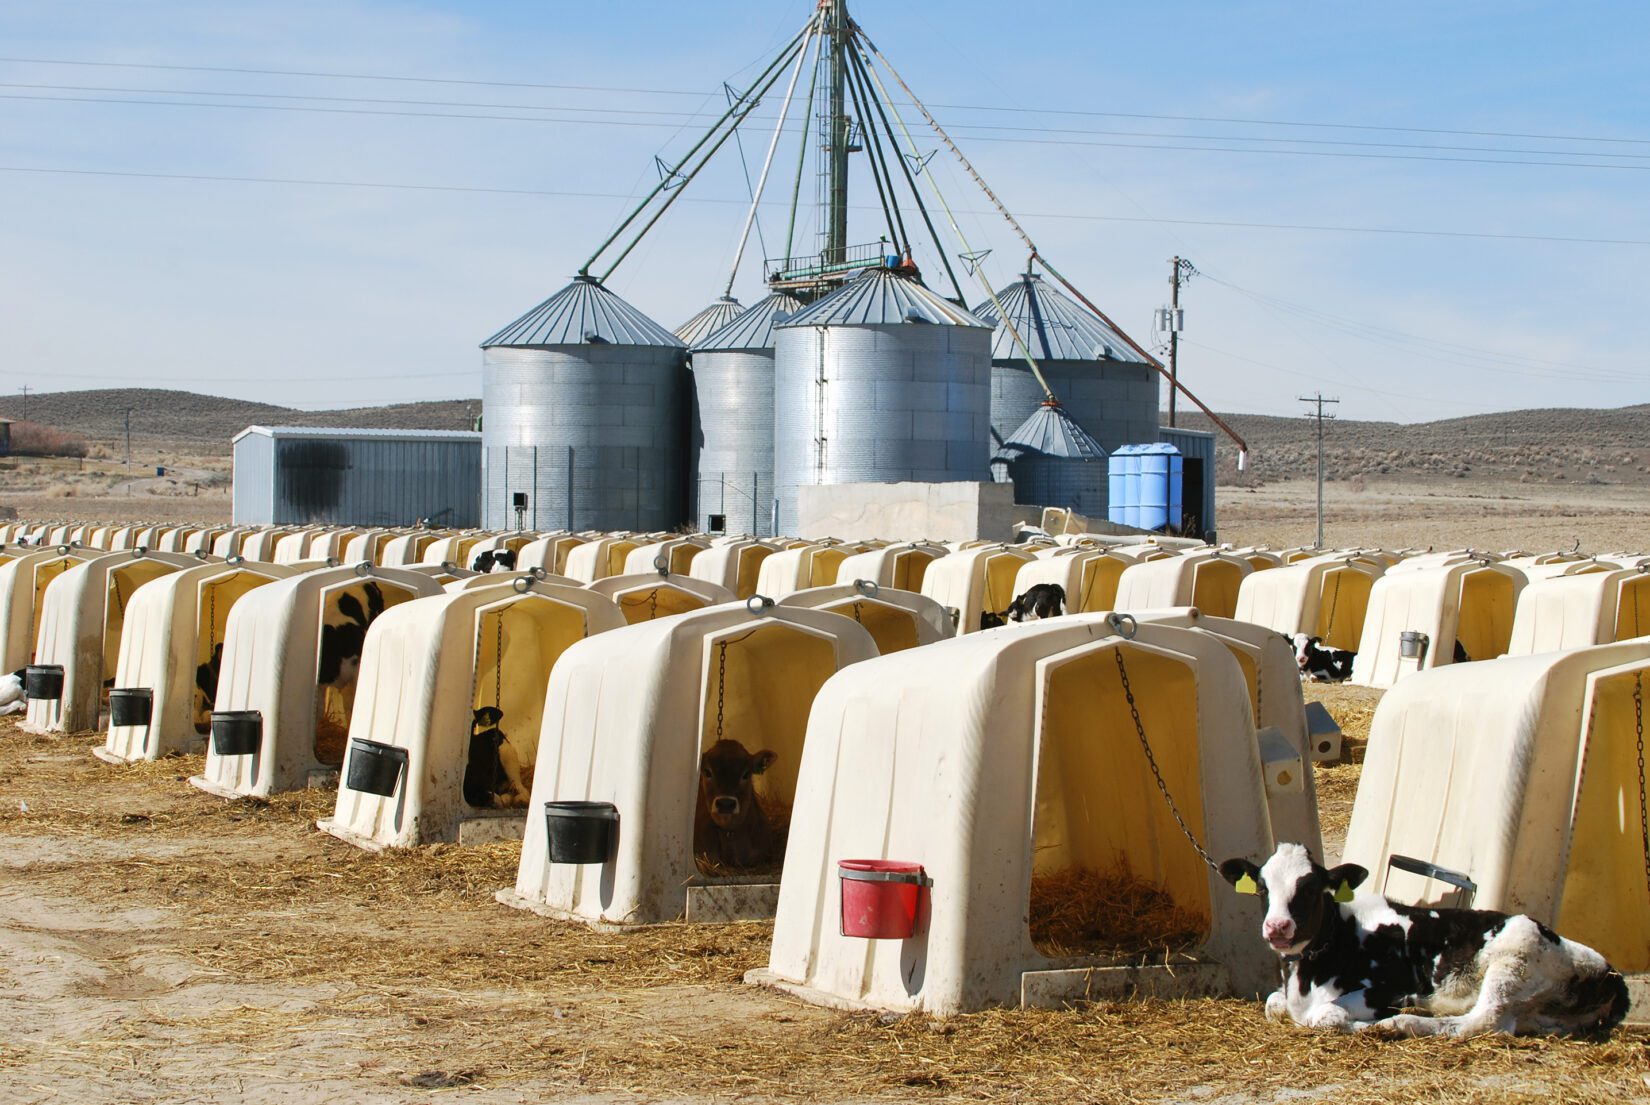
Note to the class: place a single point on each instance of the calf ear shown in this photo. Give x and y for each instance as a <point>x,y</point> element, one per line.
<point>1235,870</point>
<point>1349,873</point>
<point>762,761</point>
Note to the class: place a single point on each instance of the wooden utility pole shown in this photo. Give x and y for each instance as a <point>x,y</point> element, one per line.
<point>1317,400</point>
<point>25,402</point>
<point>1180,270</point>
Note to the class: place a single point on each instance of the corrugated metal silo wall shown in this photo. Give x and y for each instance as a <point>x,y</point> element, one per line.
<point>594,435</point>
<point>733,396</point>
<point>377,481</point>
<point>1195,445</point>
<point>252,495</point>
<point>897,402</point>
<point>1115,401</point>
<point>1067,482</point>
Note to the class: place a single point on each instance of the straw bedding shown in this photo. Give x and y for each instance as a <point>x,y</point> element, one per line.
<point>1110,915</point>
<point>403,958</point>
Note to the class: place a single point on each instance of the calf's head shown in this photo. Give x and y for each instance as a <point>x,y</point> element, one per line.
<point>726,788</point>
<point>1297,891</point>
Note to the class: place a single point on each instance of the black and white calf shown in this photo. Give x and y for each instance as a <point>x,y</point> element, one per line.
<point>11,692</point>
<point>1321,665</point>
<point>492,771</point>
<point>491,560</point>
<point>1354,963</point>
<point>1042,600</point>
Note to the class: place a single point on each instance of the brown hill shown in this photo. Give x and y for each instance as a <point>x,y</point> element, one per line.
<point>1589,446</point>
<point>204,424</point>
<point>1533,446</point>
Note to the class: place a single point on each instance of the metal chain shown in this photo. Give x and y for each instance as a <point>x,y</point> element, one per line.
<point>1334,601</point>
<point>858,608</point>
<point>1151,761</point>
<point>498,662</point>
<point>721,684</point>
<point>1644,814</point>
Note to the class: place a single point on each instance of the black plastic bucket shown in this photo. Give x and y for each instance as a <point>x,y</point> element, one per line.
<point>43,681</point>
<point>237,732</point>
<point>581,832</point>
<point>374,768</point>
<point>131,706</point>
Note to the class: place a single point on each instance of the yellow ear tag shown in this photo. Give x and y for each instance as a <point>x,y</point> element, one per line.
<point>1343,893</point>
<point>1245,885</point>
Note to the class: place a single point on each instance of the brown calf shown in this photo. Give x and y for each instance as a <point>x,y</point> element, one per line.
<point>730,828</point>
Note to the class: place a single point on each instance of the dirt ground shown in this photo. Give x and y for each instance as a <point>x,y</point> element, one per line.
<point>1443,514</point>
<point>161,945</point>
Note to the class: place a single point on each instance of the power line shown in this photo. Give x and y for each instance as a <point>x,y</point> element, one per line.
<point>698,116</point>
<point>1057,215</point>
<point>1522,162</point>
<point>1163,117</point>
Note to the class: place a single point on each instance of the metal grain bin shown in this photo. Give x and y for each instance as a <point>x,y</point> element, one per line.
<point>733,419</point>
<point>1102,382</point>
<point>585,415</point>
<point>881,381</point>
<point>1052,461</point>
<point>703,324</point>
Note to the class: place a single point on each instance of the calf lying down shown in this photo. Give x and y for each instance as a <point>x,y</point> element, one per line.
<point>1355,963</point>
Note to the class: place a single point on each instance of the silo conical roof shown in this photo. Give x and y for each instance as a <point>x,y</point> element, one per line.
<point>883,297</point>
<point>709,320</point>
<point>752,329</point>
<point>1053,433</point>
<point>583,313</point>
<point>1056,327</point>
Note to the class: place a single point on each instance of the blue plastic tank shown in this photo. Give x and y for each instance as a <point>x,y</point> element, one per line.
<point>1150,480</point>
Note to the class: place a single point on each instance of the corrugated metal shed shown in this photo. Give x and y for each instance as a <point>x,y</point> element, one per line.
<point>1056,327</point>
<point>707,321</point>
<point>753,328</point>
<point>583,313</point>
<point>1197,449</point>
<point>303,474</point>
<point>882,296</point>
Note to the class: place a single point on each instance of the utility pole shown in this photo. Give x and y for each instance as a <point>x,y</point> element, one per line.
<point>128,441</point>
<point>25,402</point>
<point>1317,400</point>
<point>836,237</point>
<point>1173,320</point>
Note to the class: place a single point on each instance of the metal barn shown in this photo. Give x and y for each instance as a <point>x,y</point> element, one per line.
<point>1197,447</point>
<point>298,474</point>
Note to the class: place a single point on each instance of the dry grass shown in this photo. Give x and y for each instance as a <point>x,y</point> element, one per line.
<point>404,959</point>
<point>1111,915</point>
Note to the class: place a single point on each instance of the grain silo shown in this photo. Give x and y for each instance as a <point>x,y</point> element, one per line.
<point>707,321</point>
<point>1052,461</point>
<point>881,381</point>
<point>733,419</point>
<point>1102,382</point>
<point>585,409</point>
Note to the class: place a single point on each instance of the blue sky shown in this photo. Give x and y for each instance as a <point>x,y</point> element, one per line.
<point>322,295</point>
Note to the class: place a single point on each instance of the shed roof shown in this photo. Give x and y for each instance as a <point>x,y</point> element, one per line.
<point>879,297</point>
<point>706,321</point>
<point>753,329</point>
<point>1056,327</point>
<point>359,434</point>
<point>583,313</point>
<point>1054,433</point>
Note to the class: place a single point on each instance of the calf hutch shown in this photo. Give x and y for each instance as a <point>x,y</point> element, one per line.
<point>1087,576</point>
<point>900,566</point>
<point>649,595</point>
<point>82,614</point>
<point>734,564</point>
<point>1205,578</point>
<point>1585,608</point>
<point>896,620</point>
<point>666,771</point>
<point>998,789</point>
<point>1431,611</point>
<point>1523,778</point>
<point>446,684</point>
<point>166,679</point>
<point>295,475</point>
<point>23,582</point>
<point>292,651</point>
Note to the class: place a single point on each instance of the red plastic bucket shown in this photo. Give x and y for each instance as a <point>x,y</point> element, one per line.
<point>881,898</point>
